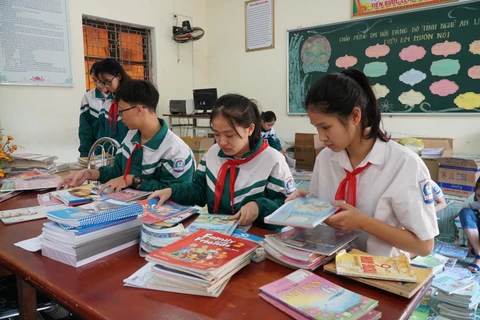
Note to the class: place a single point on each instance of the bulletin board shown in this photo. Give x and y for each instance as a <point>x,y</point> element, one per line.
<point>419,62</point>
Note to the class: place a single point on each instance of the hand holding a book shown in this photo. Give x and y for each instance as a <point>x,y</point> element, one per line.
<point>162,195</point>
<point>247,214</point>
<point>297,194</point>
<point>349,218</point>
<point>78,178</point>
<point>114,185</point>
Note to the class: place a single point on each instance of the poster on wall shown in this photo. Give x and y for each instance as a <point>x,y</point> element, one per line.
<point>35,39</point>
<point>367,7</point>
<point>259,25</point>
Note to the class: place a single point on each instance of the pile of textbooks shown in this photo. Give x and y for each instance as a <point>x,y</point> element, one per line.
<point>30,180</point>
<point>79,235</point>
<point>25,162</point>
<point>458,293</point>
<point>392,274</point>
<point>304,295</point>
<point>435,261</point>
<point>161,225</point>
<point>199,264</point>
<point>307,248</point>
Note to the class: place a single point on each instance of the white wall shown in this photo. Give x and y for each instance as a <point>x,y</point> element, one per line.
<point>45,119</point>
<point>262,74</point>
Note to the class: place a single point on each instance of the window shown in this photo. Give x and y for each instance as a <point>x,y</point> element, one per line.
<point>130,46</point>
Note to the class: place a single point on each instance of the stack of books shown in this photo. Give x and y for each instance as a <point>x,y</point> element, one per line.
<point>458,294</point>
<point>392,274</point>
<point>82,234</point>
<point>214,222</point>
<point>30,180</point>
<point>24,162</point>
<point>160,224</point>
<point>199,264</point>
<point>304,295</point>
<point>435,261</point>
<point>307,248</point>
<point>432,153</point>
<point>98,161</point>
<point>450,250</point>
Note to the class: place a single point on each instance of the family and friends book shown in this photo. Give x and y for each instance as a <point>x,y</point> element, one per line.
<point>404,289</point>
<point>395,268</point>
<point>318,298</point>
<point>204,253</point>
<point>302,212</point>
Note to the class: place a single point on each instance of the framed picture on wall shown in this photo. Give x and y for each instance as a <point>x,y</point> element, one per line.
<point>259,25</point>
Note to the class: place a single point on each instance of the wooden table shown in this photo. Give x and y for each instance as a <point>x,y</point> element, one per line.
<point>96,291</point>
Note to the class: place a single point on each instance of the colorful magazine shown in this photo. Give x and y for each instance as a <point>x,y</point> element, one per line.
<point>165,214</point>
<point>96,212</point>
<point>453,251</point>
<point>202,250</point>
<point>318,298</point>
<point>375,267</point>
<point>214,222</point>
<point>302,212</point>
<point>31,180</point>
<point>321,239</point>
<point>127,194</point>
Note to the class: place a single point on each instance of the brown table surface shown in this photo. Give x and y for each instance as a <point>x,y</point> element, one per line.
<point>96,291</point>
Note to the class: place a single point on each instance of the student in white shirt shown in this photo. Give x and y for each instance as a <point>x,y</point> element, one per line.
<point>470,220</point>
<point>386,187</point>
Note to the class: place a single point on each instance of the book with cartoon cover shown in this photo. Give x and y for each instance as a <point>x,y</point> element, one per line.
<point>302,212</point>
<point>375,267</point>
<point>203,252</point>
<point>166,215</point>
<point>213,222</point>
<point>77,195</point>
<point>318,298</point>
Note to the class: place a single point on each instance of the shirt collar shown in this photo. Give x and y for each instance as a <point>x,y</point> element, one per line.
<point>258,144</point>
<point>376,156</point>
<point>157,139</point>
<point>99,94</point>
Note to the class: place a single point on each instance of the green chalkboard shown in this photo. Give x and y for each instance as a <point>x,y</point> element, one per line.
<point>419,62</point>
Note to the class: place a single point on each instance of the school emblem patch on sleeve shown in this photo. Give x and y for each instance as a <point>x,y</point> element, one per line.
<point>289,186</point>
<point>178,165</point>
<point>427,193</point>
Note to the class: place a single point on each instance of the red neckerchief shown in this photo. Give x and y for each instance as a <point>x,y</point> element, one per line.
<point>222,174</point>
<point>352,186</point>
<point>113,115</point>
<point>129,162</point>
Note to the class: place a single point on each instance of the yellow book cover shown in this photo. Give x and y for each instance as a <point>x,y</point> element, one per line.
<point>375,267</point>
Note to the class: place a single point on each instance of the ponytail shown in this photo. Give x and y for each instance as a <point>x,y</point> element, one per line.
<point>340,93</point>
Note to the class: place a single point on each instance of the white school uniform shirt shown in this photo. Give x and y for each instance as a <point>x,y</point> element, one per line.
<point>391,190</point>
<point>471,203</point>
<point>268,134</point>
<point>436,191</point>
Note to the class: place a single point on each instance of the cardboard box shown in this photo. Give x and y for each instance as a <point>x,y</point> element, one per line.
<point>432,164</point>
<point>457,176</point>
<point>199,146</point>
<point>307,147</point>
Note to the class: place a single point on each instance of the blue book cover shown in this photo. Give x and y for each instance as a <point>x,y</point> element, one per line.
<point>451,250</point>
<point>451,282</point>
<point>213,222</point>
<point>244,235</point>
<point>96,212</point>
<point>78,195</point>
<point>302,212</point>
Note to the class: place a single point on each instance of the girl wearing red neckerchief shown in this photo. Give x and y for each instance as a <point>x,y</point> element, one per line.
<point>385,185</point>
<point>240,175</point>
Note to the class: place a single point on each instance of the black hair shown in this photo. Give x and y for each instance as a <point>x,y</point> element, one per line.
<point>238,110</point>
<point>135,92</point>
<point>94,67</point>
<point>477,184</point>
<point>339,93</point>
<point>268,116</point>
<point>111,66</point>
